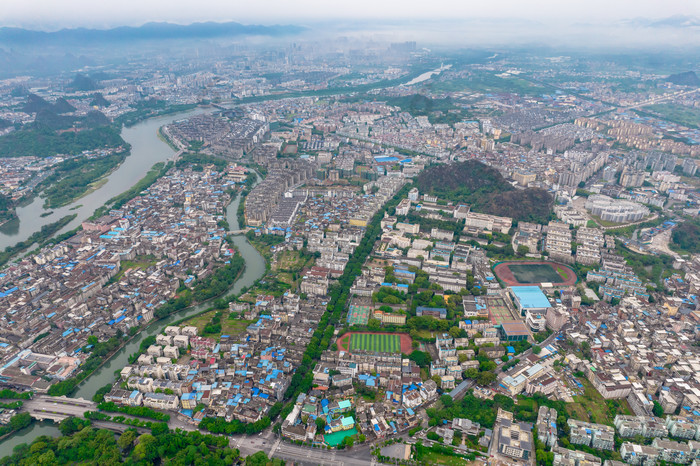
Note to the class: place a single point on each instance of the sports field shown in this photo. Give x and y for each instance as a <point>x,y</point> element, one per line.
<point>375,341</point>
<point>498,310</point>
<point>534,273</point>
<point>358,315</point>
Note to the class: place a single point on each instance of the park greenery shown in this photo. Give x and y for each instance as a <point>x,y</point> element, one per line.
<point>485,190</point>
<point>140,411</point>
<point>85,444</point>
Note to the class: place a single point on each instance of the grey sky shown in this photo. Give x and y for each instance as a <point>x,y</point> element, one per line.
<point>53,14</point>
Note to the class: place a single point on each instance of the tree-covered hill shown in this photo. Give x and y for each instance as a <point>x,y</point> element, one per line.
<point>686,236</point>
<point>485,190</point>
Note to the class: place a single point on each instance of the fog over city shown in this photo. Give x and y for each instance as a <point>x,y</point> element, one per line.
<point>623,23</point>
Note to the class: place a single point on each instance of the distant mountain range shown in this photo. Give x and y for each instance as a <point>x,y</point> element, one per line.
<point>677,21</point>
<point>148,31</point>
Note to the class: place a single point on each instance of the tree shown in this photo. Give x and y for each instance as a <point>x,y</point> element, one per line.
<point>536,349</point>
<point>374,324</point>
<point>485,378</point>
<point>471,373</point>
<point>126,439</point>
<point>261,459</point>
<point>658,410</point>
<point>522,250</point>
<point>447,401</point>
<point>145,450</point>
<point>320,423</point>
<point>421,358</point>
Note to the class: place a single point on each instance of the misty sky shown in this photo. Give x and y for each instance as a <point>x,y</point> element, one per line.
<point>54,14</point>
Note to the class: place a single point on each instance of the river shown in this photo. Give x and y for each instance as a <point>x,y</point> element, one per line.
<point>254,269</point>
<point>427,75</point>
<point>146,150</point>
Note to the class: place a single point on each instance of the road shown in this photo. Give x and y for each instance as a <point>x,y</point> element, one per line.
<point>274,446</point>
<point>58,408</point>
<point>656,100</point>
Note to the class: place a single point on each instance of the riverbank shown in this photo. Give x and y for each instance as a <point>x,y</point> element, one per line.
<point>75,178</point>
<point>139,115</point>
<point>146,150</point>
<point>41,238</point>
<point>163,137</point>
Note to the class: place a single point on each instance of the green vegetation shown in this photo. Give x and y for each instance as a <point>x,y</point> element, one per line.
<point>437,110</point>
<point>46,142</point>
<point>117,202</point>
<point>99,395</point>
<point>212,286</point>
<point>98,354</point>
<point>647,267</point>
<point>628,230</point>
<point>7,210</point>
<point>140,411</point>
<point>17,422</point>
<point>41,237</point>
<point>8,394</point>
<point>218,425</point>
<point>199,160</point>
<point>12,405</point>
<point>139,262</point>
<point>592,407</point>
<point>483,187</point>
<point>486,81</point>
<point>97,447</point>
<point>686,236</point>
<point>145,109</point>
<point>535,273</point>
<point>375,342</point>
<point>686,116</point>
<point>74,178</point>
<point>360,89</point>
<point>261,459</point>
<point>228,326</point>
<point>338,297</point>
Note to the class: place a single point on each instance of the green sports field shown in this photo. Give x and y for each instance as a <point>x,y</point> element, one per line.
<point>375,342</point>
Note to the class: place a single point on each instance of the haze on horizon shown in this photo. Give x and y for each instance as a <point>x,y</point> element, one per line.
<point>50,15</point>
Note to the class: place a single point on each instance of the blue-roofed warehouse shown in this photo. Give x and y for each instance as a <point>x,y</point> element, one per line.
<point>530,298</point>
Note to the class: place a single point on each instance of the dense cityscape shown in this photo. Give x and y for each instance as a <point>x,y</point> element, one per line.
<point>349,251</point>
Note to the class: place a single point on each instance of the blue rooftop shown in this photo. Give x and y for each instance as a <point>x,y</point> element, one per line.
<point>530,297</point>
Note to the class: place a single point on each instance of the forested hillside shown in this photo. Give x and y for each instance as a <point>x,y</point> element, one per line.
<point>486,191</point>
